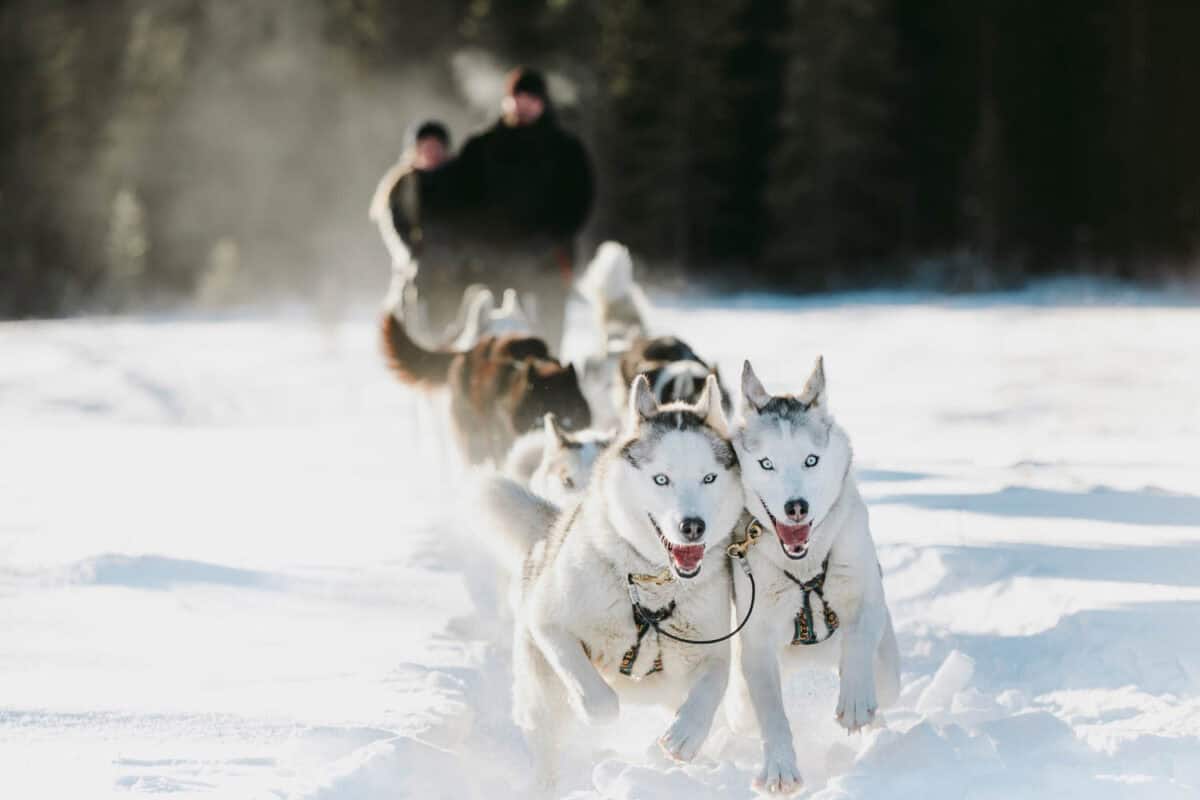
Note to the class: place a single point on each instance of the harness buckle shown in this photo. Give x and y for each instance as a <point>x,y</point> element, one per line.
<point>738,549</point>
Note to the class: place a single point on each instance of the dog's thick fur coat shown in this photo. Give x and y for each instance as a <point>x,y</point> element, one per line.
<point>556,464</point>
<point>499,389</point>
<point>799,485</point>
<point>670,469</point>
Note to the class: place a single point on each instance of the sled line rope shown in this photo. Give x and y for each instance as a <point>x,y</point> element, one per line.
<point>647,619</point>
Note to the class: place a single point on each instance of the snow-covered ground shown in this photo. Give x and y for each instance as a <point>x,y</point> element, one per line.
<point>227,569</point>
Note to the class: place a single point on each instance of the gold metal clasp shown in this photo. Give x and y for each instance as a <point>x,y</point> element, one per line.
<point>738,549</point>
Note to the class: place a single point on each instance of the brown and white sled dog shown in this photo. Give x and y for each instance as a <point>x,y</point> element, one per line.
<point>820,592</point>
<point>556,464</point>
<point>652,525</point>
<point>499,389</point>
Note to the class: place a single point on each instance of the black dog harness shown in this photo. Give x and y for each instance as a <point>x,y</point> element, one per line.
<point>805,632</point>
<point>646,620</point>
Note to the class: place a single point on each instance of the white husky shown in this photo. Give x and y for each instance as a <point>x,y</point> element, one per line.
<point>639,559</point>
<point>620,316</point>
<point>619,306</point>
<point>556,464</point>
<point>820,592</point>
<point>479,316</point>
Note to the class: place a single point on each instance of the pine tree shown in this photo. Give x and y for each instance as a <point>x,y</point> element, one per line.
<point>671,123</point>
<point>832,201</point>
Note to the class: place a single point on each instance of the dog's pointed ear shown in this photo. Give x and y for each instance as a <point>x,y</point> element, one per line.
<point>508,302</point>
<point>555,436</point>
<point>814,395</point>
<point>708,406</point>
<point>642,403</point>
<point>753,393</point>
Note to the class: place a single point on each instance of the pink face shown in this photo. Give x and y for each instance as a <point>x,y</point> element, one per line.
<point>430,153</point>
<point>523,108</point>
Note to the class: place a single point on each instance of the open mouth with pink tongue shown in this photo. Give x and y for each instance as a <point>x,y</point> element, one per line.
<point>793,539</point>
<point>685,558</point>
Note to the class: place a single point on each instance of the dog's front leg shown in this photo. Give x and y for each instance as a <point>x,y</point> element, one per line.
<point>760,670</point>
<point>857,700</point>
<point>592,700</point>
<point>694,718</point>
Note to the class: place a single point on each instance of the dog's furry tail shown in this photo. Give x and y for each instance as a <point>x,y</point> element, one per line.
<point>609,276</point>
<point>412,363</point>
<point>517,520</point>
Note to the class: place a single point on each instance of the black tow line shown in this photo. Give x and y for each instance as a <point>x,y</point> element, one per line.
<point>651,619</point>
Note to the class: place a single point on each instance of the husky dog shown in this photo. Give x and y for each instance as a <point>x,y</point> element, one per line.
<point>674,370</point>
<point>479,316</point>
<point>620,316</point>
<point>619,307</point>
<point>499,389</point>
<point>650,529</point>
<point>556,464</point>
<point>820,592</point>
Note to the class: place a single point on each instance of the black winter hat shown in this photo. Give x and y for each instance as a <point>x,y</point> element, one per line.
<point>528,81</point>
<point>425,129</point>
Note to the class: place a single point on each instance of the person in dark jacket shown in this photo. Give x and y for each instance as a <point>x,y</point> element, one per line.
<point>395,206</point>
<point>519,193</point>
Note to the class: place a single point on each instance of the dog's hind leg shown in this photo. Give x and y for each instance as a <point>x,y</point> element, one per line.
<point>538,701</point>
<point>739,709</point>
<point>887,666</point>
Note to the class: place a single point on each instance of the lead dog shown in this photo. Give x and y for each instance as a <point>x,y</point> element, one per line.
<point>651,528</point>
<point>820,591</point>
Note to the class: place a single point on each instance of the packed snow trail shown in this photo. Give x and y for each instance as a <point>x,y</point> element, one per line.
<point>228,570</point>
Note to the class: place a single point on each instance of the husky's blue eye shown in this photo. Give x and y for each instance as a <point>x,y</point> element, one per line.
<point>661,480</point>
<point>710,477</point>
<point>766,464</point>
<point>811,461</point>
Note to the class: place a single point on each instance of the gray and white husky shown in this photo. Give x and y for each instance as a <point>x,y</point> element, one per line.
<point>820,592</point>
<point>650,529</point>
<point>556,464</point>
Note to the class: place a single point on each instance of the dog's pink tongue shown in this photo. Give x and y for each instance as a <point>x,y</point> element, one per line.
<point>688,556</point>
<point>794,537</point>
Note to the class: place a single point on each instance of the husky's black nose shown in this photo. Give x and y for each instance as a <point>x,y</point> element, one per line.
<point>796,509</point>
<point>692,528</point>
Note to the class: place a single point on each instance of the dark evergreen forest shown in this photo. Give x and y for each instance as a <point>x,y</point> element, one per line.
<point>158,149</point>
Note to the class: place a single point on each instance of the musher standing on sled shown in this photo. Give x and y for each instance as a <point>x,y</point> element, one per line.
<point>515,198</point>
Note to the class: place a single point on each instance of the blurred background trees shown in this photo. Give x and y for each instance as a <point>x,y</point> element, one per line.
<point>153,150</point>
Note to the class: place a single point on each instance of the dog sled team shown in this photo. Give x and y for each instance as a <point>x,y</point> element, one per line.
<point>667,542</point>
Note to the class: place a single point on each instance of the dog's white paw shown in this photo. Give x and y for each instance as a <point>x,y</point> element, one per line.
<point>596,707</point>
<point>856,701</point>
<point>779,774</point>
<point>682,740</point>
